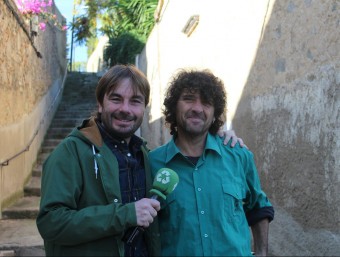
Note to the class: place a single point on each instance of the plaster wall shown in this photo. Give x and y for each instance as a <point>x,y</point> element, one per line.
<point>96,62</point>
<point>225,41</point>
<point>30,92</point>
<point>280,64</point>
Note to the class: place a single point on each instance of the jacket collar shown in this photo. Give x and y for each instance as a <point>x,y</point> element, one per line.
<point>89,129</point>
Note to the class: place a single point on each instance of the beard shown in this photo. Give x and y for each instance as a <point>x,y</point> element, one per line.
<point>194,124</point>
<point>120,124</point>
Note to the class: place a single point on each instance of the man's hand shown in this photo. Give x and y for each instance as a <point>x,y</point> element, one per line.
<point>146,210</point>
<point>230,134</point>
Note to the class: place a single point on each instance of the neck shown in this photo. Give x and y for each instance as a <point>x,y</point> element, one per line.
<point>191,145</point>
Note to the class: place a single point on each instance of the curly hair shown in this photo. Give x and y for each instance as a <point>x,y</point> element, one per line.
<point>210,88</point>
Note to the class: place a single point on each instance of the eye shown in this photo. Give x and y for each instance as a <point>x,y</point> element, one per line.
<point>114,99</point>
<point>137,100</point>
<point>206,103</point>
<point>188,98</point>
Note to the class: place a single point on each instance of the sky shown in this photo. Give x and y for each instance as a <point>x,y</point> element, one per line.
<point>66,8</point>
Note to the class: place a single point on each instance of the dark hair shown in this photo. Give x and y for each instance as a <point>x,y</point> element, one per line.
<point>211,90</point>
<point>117,73</point>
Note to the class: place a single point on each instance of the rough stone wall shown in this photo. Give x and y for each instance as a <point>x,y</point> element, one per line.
<point>25,78</point>
<point>281,67</point>
<point>290,108</point>
<point>30,89</point>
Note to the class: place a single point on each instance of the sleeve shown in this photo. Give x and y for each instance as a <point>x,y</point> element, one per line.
<point>73,207</point>
<point>256,215</point>
<point>257,205</point>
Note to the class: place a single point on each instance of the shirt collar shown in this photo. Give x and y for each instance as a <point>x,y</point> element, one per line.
<point>211,144</point>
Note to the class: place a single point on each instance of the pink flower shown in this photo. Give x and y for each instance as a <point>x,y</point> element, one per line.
<point>42,26</point>
<point>31,8</point>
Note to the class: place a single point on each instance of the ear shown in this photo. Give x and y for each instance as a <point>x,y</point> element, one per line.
<point>100,108</point>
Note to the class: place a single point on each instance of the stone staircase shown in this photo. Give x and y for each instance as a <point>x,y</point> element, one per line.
<point>18,232</point>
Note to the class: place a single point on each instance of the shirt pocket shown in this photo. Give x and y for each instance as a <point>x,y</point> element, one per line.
<point>233,196</point>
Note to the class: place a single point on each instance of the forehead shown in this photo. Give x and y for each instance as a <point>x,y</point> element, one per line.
<point>125,87</point>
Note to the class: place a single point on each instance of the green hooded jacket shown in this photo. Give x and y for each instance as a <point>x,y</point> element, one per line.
<point>81,211</point>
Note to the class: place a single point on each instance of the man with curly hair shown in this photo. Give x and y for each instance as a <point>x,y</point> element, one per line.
<point>219,193</point>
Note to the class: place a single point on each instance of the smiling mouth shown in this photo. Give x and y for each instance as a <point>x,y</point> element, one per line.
<point>124,118</point>
<point>195,118</point>
<point>124,121</point>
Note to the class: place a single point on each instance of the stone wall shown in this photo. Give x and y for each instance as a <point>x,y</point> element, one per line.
<point>281,67</point>
<point>32,71</point>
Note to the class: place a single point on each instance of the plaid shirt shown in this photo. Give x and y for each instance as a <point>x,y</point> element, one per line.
<point>131,175</point>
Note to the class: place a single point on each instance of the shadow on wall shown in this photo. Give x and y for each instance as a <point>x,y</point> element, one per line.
<point>152,129</point>
<point>288,116</point>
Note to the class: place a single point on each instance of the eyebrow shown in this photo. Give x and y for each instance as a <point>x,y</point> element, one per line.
<point>135,96</point>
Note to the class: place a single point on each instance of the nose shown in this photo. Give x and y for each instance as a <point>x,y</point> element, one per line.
<point>197,105</point>
<point>125,106</point>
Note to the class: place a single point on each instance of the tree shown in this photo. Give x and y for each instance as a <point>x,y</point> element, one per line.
<point>127,23</point>
<point>122,49</point>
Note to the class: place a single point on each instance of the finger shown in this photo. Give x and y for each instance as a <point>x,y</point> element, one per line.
<point>241,142</point>
<point>148,221</point>
<point>153,213</point>
<point>234,141</point>
<point>155,204</point>
<point>145,224</point>
<point>226,140</point>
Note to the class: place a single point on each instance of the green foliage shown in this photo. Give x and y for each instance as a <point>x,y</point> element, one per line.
<point>127,23</point>
<point>123,49</point>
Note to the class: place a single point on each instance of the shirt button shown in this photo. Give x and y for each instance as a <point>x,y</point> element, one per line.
<point>115,146</point>
<point>122,142</point>
<point>128,154</point>
<point>202,212</point>
<point>199,189</point>
<point>205,235</point>
<point>196,169</point>
<point>115,200</point>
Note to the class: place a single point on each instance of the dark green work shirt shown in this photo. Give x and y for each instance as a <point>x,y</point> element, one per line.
<point>206,214</point>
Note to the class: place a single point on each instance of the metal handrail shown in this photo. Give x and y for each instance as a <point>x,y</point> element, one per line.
<point>27,147</point>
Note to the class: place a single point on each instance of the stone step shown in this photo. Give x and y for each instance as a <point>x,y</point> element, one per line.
<point>51,142</point>
<point>58,135</point>
<point>25,208</point>
<point>47,149</point>
<point>73,115</point>
<point>67,122</point>
<point>42,157</point>
<point>33,187</point>
<point>56,130</point>
<point>21,237</point>
<point>37,170</point>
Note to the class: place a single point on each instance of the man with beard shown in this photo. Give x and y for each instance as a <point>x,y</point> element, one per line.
<point>95,184</point>
<point>219,194</point>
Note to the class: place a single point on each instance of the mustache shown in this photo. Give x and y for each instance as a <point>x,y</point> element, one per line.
<point>123,116</point>
<point>196,115</point>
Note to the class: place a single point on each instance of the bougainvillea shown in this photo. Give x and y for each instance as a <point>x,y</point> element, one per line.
<point>39,8</point>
